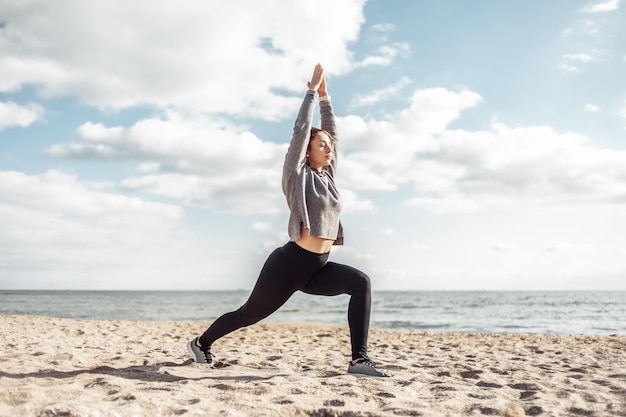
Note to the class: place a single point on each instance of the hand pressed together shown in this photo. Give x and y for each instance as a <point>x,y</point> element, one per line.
<point>318,81</point>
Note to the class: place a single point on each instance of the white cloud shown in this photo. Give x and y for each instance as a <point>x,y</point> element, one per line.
<point>353,203</point>
<point>589,27</point>
<point>569,68</point>
<point>586,26</point>
<point>117,54</point>
<point>382,94</point>
<point>584,58</point>
<point>386,51</point>
<point>199,161</point>
<point>444,204</point>
<point>463,171</point>
<point>148,167</point>
<point>384,27</point>
<point>602,6</point>
<point>359,176</point>
<point>382,154</point>
<point>387,232</point>
<point>504,247</point>
<point>568,247</point>
<point>386,55</point>
<point>207,163</point>
<point>261,226</point>
<point>60,192</point>
<point>592,108</point>
<point>13,114</point>
<point>534,166</point>
<point>195,159</point>
<point>573,61</point>
<point>66,232</point>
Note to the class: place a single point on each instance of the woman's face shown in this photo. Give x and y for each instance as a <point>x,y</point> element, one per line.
<point>320,151</point>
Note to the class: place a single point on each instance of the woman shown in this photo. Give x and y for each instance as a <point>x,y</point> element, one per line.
<point>314,226</point>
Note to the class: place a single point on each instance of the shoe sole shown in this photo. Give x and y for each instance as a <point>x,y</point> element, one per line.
<point>368,376</point>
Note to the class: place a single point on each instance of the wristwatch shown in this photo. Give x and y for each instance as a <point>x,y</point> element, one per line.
<point>325,98</point>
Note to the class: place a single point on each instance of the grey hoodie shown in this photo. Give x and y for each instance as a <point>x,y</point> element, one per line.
<point>312,197</point>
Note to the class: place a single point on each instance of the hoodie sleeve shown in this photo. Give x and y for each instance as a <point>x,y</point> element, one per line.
<point>328,124</point>
<point>296,153</point>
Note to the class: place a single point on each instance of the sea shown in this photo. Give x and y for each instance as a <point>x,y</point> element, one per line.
<point>520,312</point>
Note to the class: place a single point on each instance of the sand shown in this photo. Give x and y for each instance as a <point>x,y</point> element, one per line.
<point>63,367</point>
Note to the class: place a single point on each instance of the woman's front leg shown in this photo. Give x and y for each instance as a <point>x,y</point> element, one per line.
<point>336,279</point>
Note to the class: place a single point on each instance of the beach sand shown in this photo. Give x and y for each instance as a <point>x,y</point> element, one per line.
<point>62,367</point>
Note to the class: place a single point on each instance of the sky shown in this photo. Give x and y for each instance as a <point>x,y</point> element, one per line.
<point>482,145</point>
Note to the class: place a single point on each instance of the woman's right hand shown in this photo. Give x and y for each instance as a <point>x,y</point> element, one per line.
<point>317,78</point>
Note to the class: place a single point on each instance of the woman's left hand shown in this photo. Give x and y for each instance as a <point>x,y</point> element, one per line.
<point>322,90</point>
<point>318,82</point>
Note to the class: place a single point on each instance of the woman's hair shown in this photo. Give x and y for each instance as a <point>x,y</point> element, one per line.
<point>316,130</point>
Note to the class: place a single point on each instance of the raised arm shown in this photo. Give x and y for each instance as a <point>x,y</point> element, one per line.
<point>328,122</point>
<point>296,153</point>
<point>326,110</point>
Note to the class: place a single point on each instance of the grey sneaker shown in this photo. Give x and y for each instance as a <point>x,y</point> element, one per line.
<point>364,368</point>
<point>199,354</point>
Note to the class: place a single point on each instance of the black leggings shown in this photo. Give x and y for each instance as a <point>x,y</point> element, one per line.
<point>289,269</point>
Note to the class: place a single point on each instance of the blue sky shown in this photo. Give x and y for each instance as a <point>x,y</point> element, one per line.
<point>482,143</point>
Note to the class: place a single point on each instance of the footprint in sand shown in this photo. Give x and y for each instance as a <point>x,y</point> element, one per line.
<point>580,411</point>
<point>475,374</point>
<point>525,387</point>
<point>442,389</point>
<point>534,411</point>
<point>528,395</point>
<point>282,401</point>
<point>334,403</point>
<point>395,368</point>
<point>484,384</point>
<point>485,411</point>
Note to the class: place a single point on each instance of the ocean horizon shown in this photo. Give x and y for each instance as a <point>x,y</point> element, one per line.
<point>532,312</point>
